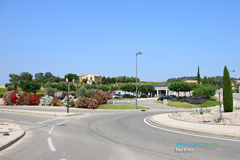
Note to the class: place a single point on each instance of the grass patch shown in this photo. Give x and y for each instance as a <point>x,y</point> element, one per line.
<point>183,105</point>
<point>120,106</point>
<point>208,103</point>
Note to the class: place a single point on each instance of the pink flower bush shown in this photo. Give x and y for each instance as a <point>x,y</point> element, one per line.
<point>83,102</point>
<point>7,98</point>
<point>56,102</point>
<point>101,97</point>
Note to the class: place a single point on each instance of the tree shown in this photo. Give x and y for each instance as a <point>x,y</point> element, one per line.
<point>198,76</point>
<point>57,79</point>
<point>70,77</point>
<point>49,76</point>
<point>103,80</point>
<point>40,76</point>
<point>236,86</point>
<point>14,78</point>
<point>26,76</point>
<point>176,86</point>
<point>84,81</point>
<point>227,91</point>
<point>30,86</point>
<point>205,80</point>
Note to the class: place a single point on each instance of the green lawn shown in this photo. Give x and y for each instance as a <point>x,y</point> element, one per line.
<point>209,103</point>
<point>120,106</point>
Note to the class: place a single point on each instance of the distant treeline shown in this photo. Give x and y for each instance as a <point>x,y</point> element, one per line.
<point>218,78</point>
<point>120,79</point>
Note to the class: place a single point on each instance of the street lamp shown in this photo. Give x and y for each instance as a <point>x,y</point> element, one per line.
<point>140,53</point>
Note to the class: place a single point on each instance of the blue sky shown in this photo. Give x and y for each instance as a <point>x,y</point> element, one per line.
<point>95,36</point>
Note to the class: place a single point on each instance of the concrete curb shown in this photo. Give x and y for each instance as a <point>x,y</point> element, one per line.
<point>229,135</point>
<point>42,113</point>
<point>9,143</point>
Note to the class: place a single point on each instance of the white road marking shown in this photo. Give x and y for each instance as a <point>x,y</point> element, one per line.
<point>50,131</point>
<point>145,120</point>
<point>47,121</point>
<point>26,122</point>
<point>63,159</point>
<point>6,119</point>
<point>50,144</point>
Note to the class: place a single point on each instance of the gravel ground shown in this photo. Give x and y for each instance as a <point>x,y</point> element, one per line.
<point>210,115</point>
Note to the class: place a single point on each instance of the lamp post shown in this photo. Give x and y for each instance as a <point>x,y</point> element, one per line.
<point>140,53</point>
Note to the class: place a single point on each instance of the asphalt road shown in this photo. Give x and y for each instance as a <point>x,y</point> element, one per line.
<point>107,135</point>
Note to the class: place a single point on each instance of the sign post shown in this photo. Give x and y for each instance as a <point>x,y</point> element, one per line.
<point>220,108</point>
<point>68,96</point>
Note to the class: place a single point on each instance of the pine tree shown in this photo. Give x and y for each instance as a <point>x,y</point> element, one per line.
<point>198,76</point>
<point>227,91</point>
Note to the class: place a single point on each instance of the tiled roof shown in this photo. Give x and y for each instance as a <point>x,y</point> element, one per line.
<point>83,75</point>
<point>160,84</point>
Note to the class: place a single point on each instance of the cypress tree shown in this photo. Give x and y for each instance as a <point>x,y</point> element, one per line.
<point>198,76</point>
<point>227,91</point>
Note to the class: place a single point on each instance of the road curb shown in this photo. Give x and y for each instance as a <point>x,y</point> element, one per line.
<point>9,143</point>
<point>42,113</point>
<point>229,135</point>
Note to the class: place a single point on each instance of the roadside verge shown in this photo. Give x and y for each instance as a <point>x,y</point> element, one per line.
<point>15,132</point>
<point>221,130</point>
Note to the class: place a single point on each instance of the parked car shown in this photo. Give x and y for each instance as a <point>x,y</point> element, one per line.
<point>173,96</point>
<point>128,96</point>
<point>166,97</point>
<point>116,95</point>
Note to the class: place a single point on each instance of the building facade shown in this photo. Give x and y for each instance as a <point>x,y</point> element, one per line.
<point>91,77</point>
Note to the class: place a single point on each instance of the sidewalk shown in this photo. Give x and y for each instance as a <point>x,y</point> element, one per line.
<point>15,132</point>
<point>213,129</point>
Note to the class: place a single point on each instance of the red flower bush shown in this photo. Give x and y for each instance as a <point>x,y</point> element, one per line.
<point>22,100</point>
<point>33,99</point>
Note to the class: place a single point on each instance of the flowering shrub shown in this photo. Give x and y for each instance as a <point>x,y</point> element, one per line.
<point>22,98</point>
<point>83,102</point>
<point>75,95</point>
<point>101,97</point>
<point>71,101</point>
<point>33,99</point>
<point>46,101</point>
<point>7,98</point>
<point>56,102</point>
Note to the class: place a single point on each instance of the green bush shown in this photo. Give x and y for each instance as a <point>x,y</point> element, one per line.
<point>143,96</point>
<point>81,92</point>
<point>30,86</point>
<point>10,87</point>
<point>207,90</point>
<point>8,84</point>
<point>90,92</point>
<point>3,91</point>
<point>210,103</point>
<point>41,92</point>
<point>179,98</point>
<point>50,91</point>
<point>174,99</point>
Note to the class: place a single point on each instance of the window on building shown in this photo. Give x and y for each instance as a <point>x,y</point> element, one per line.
<point>90,78</point>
